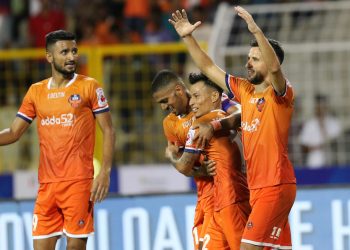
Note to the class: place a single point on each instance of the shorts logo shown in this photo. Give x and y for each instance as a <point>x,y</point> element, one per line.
<point>74,100</point>
<point>260,104</point>
<point>249,225</point>
<point>81,223</point>
<point>102,100</point>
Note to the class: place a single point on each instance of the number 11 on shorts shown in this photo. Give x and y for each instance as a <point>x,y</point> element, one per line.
<point>276,231</point>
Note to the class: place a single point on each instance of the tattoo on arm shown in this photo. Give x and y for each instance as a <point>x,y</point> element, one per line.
<point>185,163</point>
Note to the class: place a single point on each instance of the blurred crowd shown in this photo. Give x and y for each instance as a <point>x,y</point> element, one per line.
<point>24,23</point>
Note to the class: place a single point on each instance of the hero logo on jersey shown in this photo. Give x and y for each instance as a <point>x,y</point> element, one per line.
<point>102,100</point>
<point>74,100</point>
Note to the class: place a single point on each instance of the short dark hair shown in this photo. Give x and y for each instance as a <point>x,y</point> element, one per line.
<point>196,77</point>
<point>163,79</point>
<point>276,45</point>
<point>58,35</point>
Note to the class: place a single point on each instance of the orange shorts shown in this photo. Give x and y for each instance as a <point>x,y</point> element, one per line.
<point>203,214</point>
<point>268,222</point>
<point>226,227</point>
<point>63,207</point>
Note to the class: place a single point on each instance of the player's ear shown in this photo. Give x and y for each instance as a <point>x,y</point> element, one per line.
<point>49,57</point>
<point>215,95</point>
<point>178,90</point>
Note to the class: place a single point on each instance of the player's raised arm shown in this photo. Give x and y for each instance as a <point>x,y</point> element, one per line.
<point>275,74</point>
<point>12,134</point>
<point>184,28</point>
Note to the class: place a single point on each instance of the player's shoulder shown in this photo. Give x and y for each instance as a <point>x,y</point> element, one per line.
<point>238,79</point>
<point>86,80</point>
<point>170,118</point>
<point>41,84</point>
<point>212,115</point>
<point>37,87</point>
<point>217,114</point>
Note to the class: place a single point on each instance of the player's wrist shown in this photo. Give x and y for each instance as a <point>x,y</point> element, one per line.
<point>216,125</point>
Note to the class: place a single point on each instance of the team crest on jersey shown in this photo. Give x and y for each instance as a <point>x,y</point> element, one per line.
<point>74,100</point>
<point>260,104</point>
<point>102,100</point>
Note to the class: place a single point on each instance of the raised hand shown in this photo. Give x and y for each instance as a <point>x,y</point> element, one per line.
<point>252,26</point>
<point>181,24</point>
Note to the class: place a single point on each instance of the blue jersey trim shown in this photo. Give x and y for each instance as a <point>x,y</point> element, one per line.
<point>24,118</point>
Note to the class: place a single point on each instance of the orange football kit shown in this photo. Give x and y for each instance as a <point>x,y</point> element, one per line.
<point>231,194</point>
<point>66,129</point>
<point>175,130</point>
<point>266,119</point>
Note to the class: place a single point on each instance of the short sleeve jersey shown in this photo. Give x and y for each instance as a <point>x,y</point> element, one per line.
<point>265,123</point>
<point>176,129</point>
<point>230,183</point>
<point>66,126</point>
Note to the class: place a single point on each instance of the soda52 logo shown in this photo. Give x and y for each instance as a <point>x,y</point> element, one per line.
<point>64,120</point>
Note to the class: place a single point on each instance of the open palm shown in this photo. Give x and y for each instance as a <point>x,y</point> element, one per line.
<point>252,26</point>
<point>181,24</point>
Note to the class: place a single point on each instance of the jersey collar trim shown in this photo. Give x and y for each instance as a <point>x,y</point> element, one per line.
<point>67,85</point>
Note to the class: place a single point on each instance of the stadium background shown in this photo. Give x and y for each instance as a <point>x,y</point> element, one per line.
<point>316,39</point>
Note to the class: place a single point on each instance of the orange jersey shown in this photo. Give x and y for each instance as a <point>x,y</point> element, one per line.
<point>230,184</point>
<point>175,130</point>
<point>66,126</point>
<point>266,119</point>
<point>176,127</point>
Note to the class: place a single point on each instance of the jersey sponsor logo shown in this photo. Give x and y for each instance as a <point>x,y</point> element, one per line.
<point>102,100</point>
<point>250,127</point>
<point>65,120</point>
<point>56,95</point>
<point>188,123</point>
<point>74,100</point>
<point>260,104</point>
<point>254,100</point>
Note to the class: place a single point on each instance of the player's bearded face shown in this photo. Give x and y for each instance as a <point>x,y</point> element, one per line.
<point>255,77</point>
<point>63,69</point>
<point>64,56</point>
<point>255,66</point>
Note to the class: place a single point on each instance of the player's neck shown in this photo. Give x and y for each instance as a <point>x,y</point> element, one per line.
<point>60,81</point>
<point>261,87</point>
